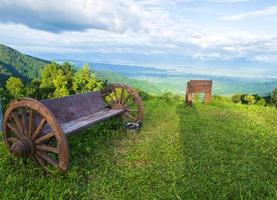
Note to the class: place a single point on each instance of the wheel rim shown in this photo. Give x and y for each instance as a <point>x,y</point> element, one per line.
<point>120,96</point>
<point>30,129</point>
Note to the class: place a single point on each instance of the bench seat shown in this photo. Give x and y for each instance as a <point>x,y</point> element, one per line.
<point>79,111</point>
<point>86,121</point>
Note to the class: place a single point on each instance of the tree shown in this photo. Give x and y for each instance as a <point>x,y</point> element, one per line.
<point>33,89</point>
<point>60,84</point>
<point>236,98</point>
<point>249,99</point>
<point>261,102</point>
<point>274,97</point>
<point>85,81</point>
<point>68,72</point>
<point>48,74</point>
<point>15,87</point>
<point>54,80</point>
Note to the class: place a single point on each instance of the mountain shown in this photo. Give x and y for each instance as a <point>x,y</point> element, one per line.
<point>14,63</point>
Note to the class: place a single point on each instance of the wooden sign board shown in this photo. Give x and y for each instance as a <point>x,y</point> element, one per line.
<point>198,86</point>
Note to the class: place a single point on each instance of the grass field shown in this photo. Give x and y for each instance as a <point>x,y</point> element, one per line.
<point>217,151</point>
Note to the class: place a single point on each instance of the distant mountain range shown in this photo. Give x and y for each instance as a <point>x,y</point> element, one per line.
<point>25,67</point>
<point>149,79</point>
<point>14,63</point>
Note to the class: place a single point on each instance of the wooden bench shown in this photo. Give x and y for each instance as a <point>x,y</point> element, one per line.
<point>38,129</point>
<point>198,86</point>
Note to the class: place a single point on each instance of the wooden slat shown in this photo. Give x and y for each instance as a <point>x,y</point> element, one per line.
<point>84,122</point>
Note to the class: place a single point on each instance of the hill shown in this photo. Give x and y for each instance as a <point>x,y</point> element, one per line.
<point>217,151</point>
<point>118,78</point>
<point>14,63</point>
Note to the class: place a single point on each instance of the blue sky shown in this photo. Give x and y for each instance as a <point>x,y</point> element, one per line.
<point>230,36</point>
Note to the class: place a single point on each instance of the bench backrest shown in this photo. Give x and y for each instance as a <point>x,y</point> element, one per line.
<point>196,86</point>
<point>75,106</point>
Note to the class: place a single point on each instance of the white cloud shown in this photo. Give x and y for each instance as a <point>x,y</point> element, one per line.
<point>127,30</point>
<point>270,11</point>
<point>68,15</point>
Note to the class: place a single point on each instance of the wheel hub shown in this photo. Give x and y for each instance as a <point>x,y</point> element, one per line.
<point>23,147</point>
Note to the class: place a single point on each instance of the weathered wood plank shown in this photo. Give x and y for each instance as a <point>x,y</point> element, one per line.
<point>86,121</point>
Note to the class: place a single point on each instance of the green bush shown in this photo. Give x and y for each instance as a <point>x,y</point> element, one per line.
<point>221,100</point>
<point>169,96</point>
<point>274,97</point>
<point>249,99</point>
<point>261,102</point>
<point>236,98</point>
<point>144,95</point>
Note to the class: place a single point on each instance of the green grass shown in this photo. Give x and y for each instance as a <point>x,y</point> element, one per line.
<point>217,151</point>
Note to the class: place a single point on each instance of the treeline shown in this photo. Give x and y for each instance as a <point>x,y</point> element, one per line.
<point>14,63</point>
<point>256,99</point>
<point>55,81</point>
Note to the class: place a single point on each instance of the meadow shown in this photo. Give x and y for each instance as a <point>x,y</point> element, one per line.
<point>217,151</point>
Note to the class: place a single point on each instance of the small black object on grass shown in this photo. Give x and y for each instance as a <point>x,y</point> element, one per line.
<point>133,126</point>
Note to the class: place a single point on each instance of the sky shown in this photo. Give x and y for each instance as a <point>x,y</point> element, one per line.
<point>224,35</point>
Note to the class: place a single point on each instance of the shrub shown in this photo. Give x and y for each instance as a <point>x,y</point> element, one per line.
<point>15,87</point>
<point>221,99</point>
<point>236,98</point>
<point>274,97</point>
<point>261,102</point>
<point>169,96</point>
<point>144,95</point>
<point>249,99</point>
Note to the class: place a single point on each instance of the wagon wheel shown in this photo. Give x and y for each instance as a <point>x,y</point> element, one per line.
<point>121,96</point>
<point>31,130</point>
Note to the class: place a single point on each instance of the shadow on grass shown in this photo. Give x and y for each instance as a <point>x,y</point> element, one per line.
<point>82,147</point>
<point>226,156</point>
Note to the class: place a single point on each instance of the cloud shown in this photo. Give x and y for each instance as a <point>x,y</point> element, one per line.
<point>270,11</point>
<point>72,15</point>
<point>125,28</point>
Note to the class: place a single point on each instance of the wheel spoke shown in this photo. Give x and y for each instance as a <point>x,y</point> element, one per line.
<point>133,110</point>
<point>39,128</point>
<point>44,138</point>
<point>47,148</point>
<point>40,161</point>
<point>130,116</point>
<point>18,122</point>
<point>47,158</point>
<point>31,123</point>
<point>112,98</point>
<point>24,120</point>
<point>15,129</point>
<point>12,139</point>
<point>115,95</point>
<point>123,103</point>
<point>121,95</point>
